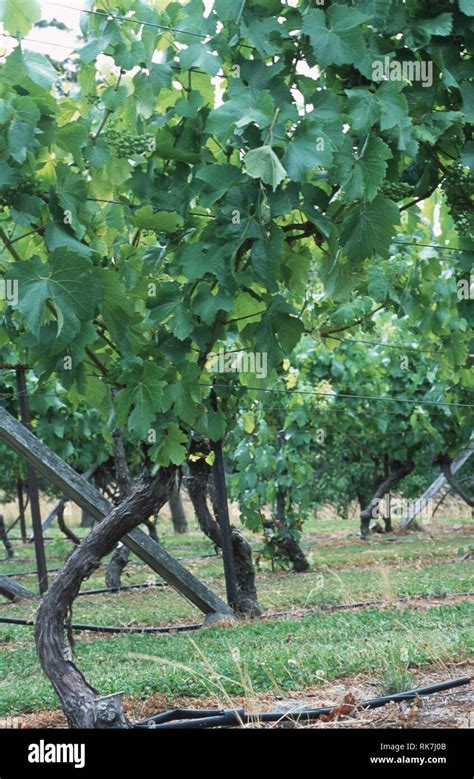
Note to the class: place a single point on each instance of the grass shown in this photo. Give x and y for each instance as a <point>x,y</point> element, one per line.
<point>276,656</point>
<point>271,655</point>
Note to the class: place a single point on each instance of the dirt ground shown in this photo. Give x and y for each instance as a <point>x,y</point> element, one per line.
<point>449,709</point>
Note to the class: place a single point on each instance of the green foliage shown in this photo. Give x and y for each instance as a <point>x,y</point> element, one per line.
<point>152,216</point>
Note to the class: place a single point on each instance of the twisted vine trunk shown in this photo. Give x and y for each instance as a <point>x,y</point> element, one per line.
<point>151,527</point>
<point>6,541</point>
<point>121,554</point>
<point>178,517</point>
<point>63,527</point>
<point>21,510</point>
<point>455,485</point>
<point>287,543</point>
<point>394,477</point>
<point>82,704</point>
<point>198,484</point>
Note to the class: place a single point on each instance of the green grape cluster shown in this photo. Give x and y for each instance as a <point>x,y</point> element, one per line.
<point>397,190</point>
<point>458,187</point>
<point>125,143</point>
<point>26,185</point>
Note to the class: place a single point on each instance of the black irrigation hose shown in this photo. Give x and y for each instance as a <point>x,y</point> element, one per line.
<point>55,570</point>
<point>177,719</point>
<point>30,573</point>
<point>109,629</point>
<point>196,626</point>
<point>121,589</point>
<point>29,541</point>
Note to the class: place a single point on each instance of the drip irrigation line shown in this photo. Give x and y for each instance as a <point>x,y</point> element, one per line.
<point>196,626</point>
<point>129,586</point>
<point>101,590</point>
<point>29,573</point>
<point>29,542</point>
<point>177,719</point>
<point>337,396</point>
<point>108,628</point>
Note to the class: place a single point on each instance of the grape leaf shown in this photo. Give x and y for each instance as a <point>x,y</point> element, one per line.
<point>147,219</point>
<point>19,17</point>
<point>278,330</point>
<point>170,449</point>
<point>244,106</point>
<point>180,320</point>
<point>66,281</point>
<point>368,229</point>
<point>263,164</point>
<point>336,36</point>
<point>310,147</point>
<point>39,69</point>
<point>467,7</point>
<point>143,395</point>
<point>362,176</point>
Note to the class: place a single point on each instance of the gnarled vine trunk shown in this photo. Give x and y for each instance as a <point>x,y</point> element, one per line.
<point>197,484</point>
<point>21,510</point>
<point>63,526</point>
<point>178,517</point>
<point>83,706</point>
<point>455,485</point>
<point>117,563</point>
<point>394,476</point>
<point>287,543</point>
<point>5,540</point>
<point>121,554</point>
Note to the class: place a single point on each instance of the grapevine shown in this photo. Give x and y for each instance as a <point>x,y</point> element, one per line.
<point>397,190</point>
<point>458,187</point>
<point>26,185</point>
<point>126,143</point>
